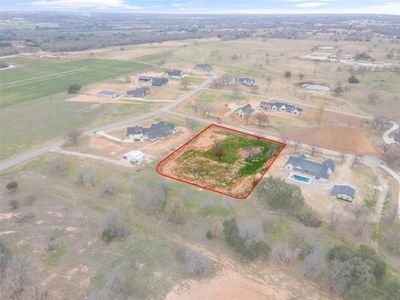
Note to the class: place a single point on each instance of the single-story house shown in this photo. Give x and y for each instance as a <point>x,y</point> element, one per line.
<point>134,157</point>
<point>343,192</point>
<point>154,132</point>
<point>109,94</point>
<point>281,107</point>
<point>203,67</point>
<point>174,73</point>
<point>244,110</point>
<point>245,81</point>
<point>138,93</point>
<point>159,81</point>
<point>145,78</point>
<point>319,171</point>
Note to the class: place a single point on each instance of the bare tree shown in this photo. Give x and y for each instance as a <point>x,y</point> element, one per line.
<point>109,188</point>
<point>73,137</point>
<point>254,89</point>
<point>176,212</point>
<point>19,276</point>
<point>58,166</point>
<point>282,252</point>
<point>113,228</point>
<point>235,90</point>
<point>314,263</point>
<point>339,276</point>
<point>197,265</point>
<point>219,152</point>
<point>261,118</point>
<point>361,226</point>
<point>373,98</point>
<point>191,124</point>
<point>334,218</point>
<point>185,84</point>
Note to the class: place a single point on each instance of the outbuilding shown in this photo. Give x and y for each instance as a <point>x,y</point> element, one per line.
<point>135,157</point>
<point>343,192</point>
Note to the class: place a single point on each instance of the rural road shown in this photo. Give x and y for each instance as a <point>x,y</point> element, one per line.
<point>116,125</point>
<point>386,137</point>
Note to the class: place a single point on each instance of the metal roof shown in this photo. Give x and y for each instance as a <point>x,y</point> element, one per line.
<point>343,190</point>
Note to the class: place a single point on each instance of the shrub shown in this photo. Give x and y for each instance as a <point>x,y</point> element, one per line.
<point>248,247</point>
<point>12,186</point>
<point>176,212</point>
<point>310,219</point>
<point>353,79</point>
<point>113,228</point>
<point>287,74</point>
<point>74,88</point>
<point>197,265</point>
<point>14,204</point>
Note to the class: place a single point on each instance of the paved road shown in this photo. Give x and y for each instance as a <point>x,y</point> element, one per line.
<point>116,125</point>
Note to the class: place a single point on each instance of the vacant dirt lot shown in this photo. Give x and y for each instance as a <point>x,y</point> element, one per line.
<point>189,163</point>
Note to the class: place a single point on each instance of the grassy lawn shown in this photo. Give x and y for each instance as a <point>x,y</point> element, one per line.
<point>207,97</point>
<point>35,78</point>
<point>52,117</point>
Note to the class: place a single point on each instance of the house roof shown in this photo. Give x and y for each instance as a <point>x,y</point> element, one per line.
<point>134,130</point>
<point>343,190</point>
<point>159,130</point>
<point>135,155</point>
<point>288,107</point>
<point>139,92</point>
<point>246,81</point>
<point>155,131</point>
<point>308,166</point>
<point>176,73</point>
<point>247,109</point>
<point>203,66</point>
<point>397,137</point>
<point>145,78</point>
<point>158,81</point>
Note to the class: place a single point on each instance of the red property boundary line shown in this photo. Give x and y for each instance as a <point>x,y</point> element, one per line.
<point>207,188</point>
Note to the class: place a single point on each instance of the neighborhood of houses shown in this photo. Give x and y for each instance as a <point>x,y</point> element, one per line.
<point>300,168</point>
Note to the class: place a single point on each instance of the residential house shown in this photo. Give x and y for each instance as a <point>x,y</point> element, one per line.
<point>304,166</point>
<point>138,93</point>
<point>154,132</point>
<point>245,81</point>
<point>203,67</point>
<point>244,111</point>
<point>134,157</point>
<point>145,78</point>
<point>109,94</point>
<point>343,192</point>
<point>159,81</point>
<point>281,107</point>
<point>174,74</point>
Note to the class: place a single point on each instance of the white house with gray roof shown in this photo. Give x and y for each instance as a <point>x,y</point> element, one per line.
<point>109,94</point>
<point>154,132</point>
<point>281,107</point>
<point>304,168</point>
<point>244,111</point>
<point>343,192</point>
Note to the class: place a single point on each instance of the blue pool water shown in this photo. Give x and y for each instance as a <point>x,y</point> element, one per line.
<point>300,178</point>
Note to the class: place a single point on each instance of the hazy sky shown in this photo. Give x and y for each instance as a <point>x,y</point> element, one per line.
<point>210,6</point>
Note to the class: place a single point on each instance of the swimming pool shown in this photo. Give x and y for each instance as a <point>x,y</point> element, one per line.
<point>300,178</point>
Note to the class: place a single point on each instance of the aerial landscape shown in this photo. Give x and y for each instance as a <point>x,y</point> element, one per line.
<point>184,151</point>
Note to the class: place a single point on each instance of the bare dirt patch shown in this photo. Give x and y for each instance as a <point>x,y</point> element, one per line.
<point>344,139</point>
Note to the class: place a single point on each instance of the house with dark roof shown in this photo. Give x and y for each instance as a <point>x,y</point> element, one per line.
<point>174,74</point>
<point>245,81</point>
<point>138,93</point>
<point>109,94</point>
<point>159,81</point>
<point>281,107</point>
<point>203,67</point>
<point>244,111</point>
<point>306,167</point>
<point>145,78</point>
<point>154,132</point>
<point>343,192</point>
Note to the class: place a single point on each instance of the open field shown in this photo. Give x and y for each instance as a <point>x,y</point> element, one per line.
<point>36,78</point>
<point>222,160</point>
